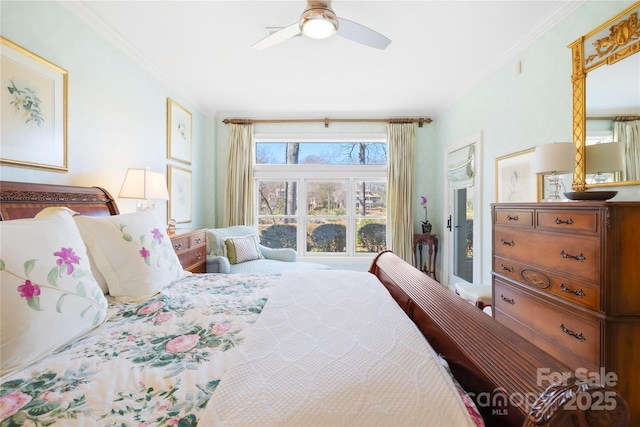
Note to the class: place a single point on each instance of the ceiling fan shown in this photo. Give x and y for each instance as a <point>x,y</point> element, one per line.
<point>318,21</point>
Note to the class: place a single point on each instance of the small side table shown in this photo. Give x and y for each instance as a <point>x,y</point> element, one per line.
<point>431,241</point>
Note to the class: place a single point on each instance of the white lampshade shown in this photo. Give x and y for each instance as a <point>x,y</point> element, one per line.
<point>143,184</point>
<point>556,158</point>
<point>605,157</point>
<point>318,23</point>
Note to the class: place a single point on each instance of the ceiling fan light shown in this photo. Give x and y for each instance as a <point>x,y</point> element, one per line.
<point>318,23</point>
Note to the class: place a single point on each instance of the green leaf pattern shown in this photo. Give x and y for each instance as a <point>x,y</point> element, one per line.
<point>57,272</point>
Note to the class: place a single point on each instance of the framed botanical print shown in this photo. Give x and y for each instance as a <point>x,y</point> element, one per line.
<point>178,132</point>
<point>515,179</point>
<point>179,194</point>
<point>33,114</point>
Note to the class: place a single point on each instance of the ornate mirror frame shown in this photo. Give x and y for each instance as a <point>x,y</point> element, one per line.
<point>588,53</point>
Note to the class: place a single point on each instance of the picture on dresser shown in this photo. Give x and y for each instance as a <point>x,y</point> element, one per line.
<point>515,180</point>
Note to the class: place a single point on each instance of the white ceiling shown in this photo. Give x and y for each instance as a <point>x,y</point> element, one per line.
<point>440,50</point>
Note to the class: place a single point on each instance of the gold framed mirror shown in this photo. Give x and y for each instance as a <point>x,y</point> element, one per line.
<point>604,108</point>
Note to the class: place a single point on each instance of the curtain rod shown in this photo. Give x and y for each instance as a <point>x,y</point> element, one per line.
<point>616,118</point>
<point>326,121</point>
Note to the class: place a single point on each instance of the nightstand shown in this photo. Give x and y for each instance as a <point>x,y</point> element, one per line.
<point>191,246</point>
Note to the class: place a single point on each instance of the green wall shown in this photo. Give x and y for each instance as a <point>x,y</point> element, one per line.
<point>517,112</point>
<point>116,109</point>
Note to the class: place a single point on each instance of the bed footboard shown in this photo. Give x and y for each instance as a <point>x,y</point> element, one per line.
<point>513,382</point>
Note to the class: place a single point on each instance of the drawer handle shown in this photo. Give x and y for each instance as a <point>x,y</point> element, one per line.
<point>512,218</point>
<point>508,300</point>
<point>198,256</point>
<point>509,269</point>
<point>198,240</point>
<point>177,247</point>
<point>511,243</point>
<point>577,336</point>
<point>559,221</point>
<point>580,257</point>
<point>563,288</point>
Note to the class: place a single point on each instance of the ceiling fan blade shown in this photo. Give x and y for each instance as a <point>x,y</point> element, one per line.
<point>361,34</point>
<point>277,37</point>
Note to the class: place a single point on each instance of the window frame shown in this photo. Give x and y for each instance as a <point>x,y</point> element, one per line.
<point>304,173</point>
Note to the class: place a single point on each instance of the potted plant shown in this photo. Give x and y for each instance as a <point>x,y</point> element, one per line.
<point>426,225</point>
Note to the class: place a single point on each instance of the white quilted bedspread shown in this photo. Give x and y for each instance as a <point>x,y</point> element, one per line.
<point>333,348</point>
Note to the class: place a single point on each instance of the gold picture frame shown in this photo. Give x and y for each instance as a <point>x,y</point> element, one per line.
<point>178,132</point>
<point>33,124</point>
<point>515,179</point>
<point>179,194</point>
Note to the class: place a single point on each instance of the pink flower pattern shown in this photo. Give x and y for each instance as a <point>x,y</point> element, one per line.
<point>67,256</point>
<point>29,290</point>
<point>144,253</point>
<point>220,328</point>
<point>162,317</point>
<point>12,402</point>
<point>151,308</point>
<point>182,343</point>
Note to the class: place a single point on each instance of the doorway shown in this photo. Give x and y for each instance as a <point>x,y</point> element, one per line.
<point>463,212</point>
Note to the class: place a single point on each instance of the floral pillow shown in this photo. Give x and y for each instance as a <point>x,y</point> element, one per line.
<point>49,296</point>
<point>132,252</point>
<point>242,249</point>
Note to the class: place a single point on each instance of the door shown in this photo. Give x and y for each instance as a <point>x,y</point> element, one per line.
<point>463,212</point>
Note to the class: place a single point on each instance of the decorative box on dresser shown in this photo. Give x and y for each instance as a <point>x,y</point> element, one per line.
<point>191,247</point>
<point>566,276</point>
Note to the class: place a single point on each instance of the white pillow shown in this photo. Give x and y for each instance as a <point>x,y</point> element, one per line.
<point>133,252</point>
<point>242,249</point>
<point>49,297</point>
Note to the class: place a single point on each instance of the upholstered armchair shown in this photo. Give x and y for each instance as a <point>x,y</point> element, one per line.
<point>237,249</point>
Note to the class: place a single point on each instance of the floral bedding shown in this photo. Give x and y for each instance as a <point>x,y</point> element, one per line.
<point>153,363</point>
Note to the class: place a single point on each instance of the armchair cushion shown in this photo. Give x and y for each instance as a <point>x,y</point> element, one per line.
<point>242,249</point>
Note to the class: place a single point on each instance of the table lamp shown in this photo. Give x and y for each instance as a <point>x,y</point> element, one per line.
<point>553,160</point>
<point>144,185</point>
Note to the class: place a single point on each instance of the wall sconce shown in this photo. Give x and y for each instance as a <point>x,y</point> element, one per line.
<point>552,160</point>
<point>605,161</point>
<point>144,185</point>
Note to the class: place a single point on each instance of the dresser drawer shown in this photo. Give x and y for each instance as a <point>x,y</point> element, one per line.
<point>576,334</point>
<point>180,243</point>
<point>568,221</point>
<point>197,238</point>
<point>570,290</point>
<point>514,217</point>
<point>568,358</point>
<point>574,256</point>
<point>192,256</point>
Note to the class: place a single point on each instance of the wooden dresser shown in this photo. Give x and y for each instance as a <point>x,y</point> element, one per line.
<point>566,276</point>
<point>191,247</point>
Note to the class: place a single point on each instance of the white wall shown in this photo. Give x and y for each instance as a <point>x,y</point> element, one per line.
<point>517,112</point>
<point>116,110</point>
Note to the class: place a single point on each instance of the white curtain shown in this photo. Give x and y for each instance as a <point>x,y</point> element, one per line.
<point>460,167</point>
<point>401,138</point>
<point>629,134</point>
<point>239,199</point>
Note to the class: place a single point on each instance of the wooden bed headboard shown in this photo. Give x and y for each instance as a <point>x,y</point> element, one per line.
<point>493,363</point>
<point>25,200</point>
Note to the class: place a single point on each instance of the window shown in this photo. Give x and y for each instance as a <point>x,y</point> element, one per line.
<point>322,197</point>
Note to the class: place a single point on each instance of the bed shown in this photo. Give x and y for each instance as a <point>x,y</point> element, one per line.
<point>167,348</point>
